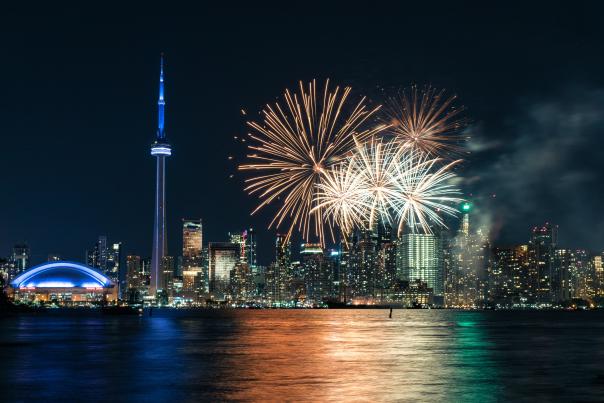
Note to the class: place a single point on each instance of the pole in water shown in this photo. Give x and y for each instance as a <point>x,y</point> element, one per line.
<point>390,316</point>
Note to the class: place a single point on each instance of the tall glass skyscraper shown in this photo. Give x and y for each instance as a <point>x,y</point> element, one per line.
<point>420,258</point>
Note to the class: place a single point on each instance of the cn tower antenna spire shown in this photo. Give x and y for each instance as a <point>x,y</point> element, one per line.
<point>160,102</point>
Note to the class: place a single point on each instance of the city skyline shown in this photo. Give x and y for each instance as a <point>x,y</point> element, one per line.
<point>376,267</point>
<point>391,202</point>
<point>112,197</point>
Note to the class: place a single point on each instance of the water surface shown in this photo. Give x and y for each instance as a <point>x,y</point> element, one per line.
<point>311,355</point>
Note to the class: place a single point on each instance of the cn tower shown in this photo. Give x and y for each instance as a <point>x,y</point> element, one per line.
<point>160,150</point>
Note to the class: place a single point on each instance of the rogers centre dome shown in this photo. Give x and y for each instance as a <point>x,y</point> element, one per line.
<point>64,283</point>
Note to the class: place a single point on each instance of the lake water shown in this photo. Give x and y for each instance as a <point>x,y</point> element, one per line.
<point>311,355</point>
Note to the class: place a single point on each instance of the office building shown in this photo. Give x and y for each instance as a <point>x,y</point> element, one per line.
<point>223,256</point>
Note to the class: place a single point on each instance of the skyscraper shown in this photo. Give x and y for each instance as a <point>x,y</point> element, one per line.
<point>223,257</point>
<point>278,274</point>
<point>192,238</point>
<point>582,273</point>
<point>134,278</point>
<point>541,258</point>
<point>20,259</point>
<point>160,150</point>
<point>561,275</point>
<point>115,269</point>
<point>192,264</point>
<point>363,262</point>
<point>316,274</point>
<point>97,256</point>
<point>503,269</point>
<point>239,238</point>
<point>467,257</point>
<point>420,258</point>
<point>250,247</point>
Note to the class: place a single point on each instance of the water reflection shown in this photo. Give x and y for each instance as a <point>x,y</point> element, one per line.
<point>304,355</point>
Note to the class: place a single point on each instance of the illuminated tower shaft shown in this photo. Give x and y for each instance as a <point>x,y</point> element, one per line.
<point>160,150</point>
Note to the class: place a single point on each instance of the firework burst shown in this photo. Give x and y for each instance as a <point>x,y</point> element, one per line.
<point>373,163</point>
<point>359,191</point>
<point>297,144</point>
<point>381,181</point>
<point>341,198</point>
<point>427,121</point>
<point>424,192</point>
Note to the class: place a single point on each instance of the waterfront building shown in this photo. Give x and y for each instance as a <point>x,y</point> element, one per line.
<point>344,291</point>
<point>167,293</point>
<point>241,283</point>
<point>279,273</point>
<point>501,284</point>
<point>336,269</point>
<point>315,273</point>
<point>160,149</point>
<point>133,270</point>
<point>540,254</point>
<point>63,283</point>
<point>583,274</point>
<point>134,279</point>
<point>192,285</point>
<point>521,278</point>
<point>362,264</point>
<point>561,282</point>
<point>411,294</point>
<point>386,274</point>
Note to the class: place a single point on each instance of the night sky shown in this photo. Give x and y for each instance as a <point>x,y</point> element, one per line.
<point>79,93</point>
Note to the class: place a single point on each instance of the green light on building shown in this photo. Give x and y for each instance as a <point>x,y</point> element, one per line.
<point>466,207</point>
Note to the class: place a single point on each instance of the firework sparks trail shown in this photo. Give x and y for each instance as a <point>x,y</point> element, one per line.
<point>374,163</point>
<point>297,144</point>
<point>423,191</point>
<point>427,121</point>
<point>341,198</point>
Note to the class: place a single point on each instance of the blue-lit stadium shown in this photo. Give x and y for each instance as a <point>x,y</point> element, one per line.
<point>64,283</point>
